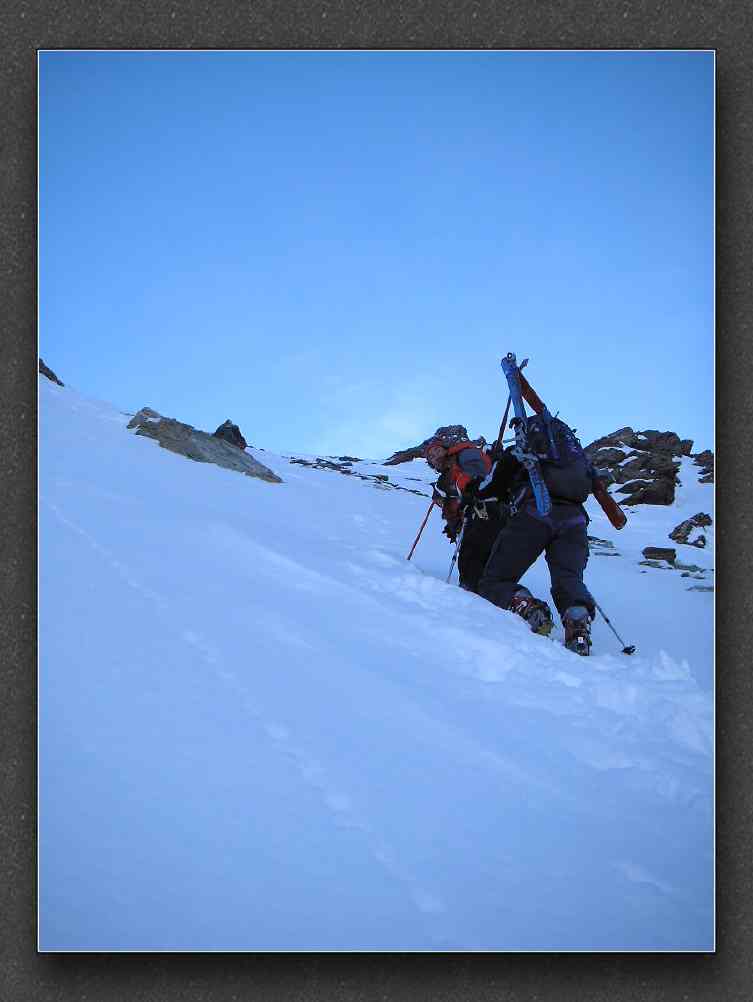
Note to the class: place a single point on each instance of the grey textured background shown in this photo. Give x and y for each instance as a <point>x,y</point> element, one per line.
<point>27,26</point>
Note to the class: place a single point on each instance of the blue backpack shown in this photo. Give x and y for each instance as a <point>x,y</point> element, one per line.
<point>566,469</point>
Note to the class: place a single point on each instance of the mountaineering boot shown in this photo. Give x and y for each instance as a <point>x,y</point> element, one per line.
<point>536,613</point>
<point>577,623</point>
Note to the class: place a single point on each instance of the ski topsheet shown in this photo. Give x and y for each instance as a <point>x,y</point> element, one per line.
<point>521,450</point>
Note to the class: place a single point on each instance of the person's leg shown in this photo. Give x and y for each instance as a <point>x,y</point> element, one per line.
<point>478,540</point>
<point>515,549</point>
<point>567,556</point>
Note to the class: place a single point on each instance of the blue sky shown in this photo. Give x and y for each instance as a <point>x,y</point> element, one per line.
<point>334,249</point>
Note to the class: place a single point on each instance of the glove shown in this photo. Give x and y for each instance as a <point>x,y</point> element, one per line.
<point>470,493</point>
<point>451,530</point>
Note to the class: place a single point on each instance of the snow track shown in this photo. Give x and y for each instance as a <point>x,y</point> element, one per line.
<point>262,729</point>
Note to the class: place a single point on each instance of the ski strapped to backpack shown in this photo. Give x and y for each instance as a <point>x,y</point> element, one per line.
<point>521,449</point>
<point>598,488</point>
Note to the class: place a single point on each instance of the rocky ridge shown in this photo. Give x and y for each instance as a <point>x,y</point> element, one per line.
<point>184,439</point>
<point>448,434</point>
<point>344,464</point>
<point>644,463</point>
<point>46,371</point>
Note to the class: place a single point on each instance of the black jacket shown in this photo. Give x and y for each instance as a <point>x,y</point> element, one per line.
<point>508,476</point>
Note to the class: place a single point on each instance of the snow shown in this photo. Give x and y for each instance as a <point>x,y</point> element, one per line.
<point>261,728</point>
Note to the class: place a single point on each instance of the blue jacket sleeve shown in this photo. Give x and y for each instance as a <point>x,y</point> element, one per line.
<point>471,463</point>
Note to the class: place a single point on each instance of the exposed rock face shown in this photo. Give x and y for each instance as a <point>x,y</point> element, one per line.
<point>342,464</point>
<point>449,434</point>
<point>660,553</point>
<point>660,491</point>
<point>198,445</point>
<point>644,463</point>
<point>706,461</point>
<point>49,373</point>
<point>683,532</point>
<point>231,433</point>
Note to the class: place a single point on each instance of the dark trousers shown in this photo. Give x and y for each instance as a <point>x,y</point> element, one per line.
<point>478,540</point>
<point>561,535</point>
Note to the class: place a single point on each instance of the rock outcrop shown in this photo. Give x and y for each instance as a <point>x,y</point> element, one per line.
<point>660,553</point>
<point>449,434</point>
<point>689,530</point>
<point>706,462</point>
<point>644,463</point>
<point>198,445</point>
<point>231,433</point>
<point>343,464</point>
<point>45,371</point>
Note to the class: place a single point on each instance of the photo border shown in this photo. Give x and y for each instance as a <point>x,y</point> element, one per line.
<point>24,973</point>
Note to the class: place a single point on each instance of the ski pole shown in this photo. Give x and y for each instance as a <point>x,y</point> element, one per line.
<point>426,519</point>
<point>497,447</point>
<point>457,550</point>
<point>625,649</point>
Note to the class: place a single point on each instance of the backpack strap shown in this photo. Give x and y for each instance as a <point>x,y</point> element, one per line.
<point>550,434</point>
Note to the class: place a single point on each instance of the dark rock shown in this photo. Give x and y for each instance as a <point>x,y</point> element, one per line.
<point>198,445</point>
<point>349,459</point>
<point>648,471</point>
<point>623,436</point>
<point>689,568</point>
<point>660,553</point>
<point>659,441</point>
<point>681,533</point>
<point>607,456</point>
<point>45,371</point>
<point>706,462</point>
<point>379,480</point>
<point>648,492</point>
<point>231,433</point>
<point>647,464</point>
<point>449,434</point>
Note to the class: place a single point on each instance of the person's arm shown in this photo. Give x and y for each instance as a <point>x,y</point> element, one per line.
<point>506,473</point>
<point>470,466</point>
<point>449,502</point>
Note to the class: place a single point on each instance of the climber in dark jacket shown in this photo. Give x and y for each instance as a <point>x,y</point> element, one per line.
<point>561,536</point>
<point>463,467</point>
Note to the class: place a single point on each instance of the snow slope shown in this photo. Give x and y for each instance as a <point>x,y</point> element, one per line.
<point>261,728</point>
